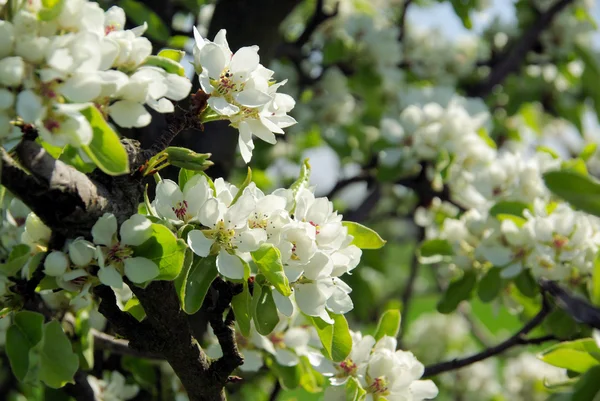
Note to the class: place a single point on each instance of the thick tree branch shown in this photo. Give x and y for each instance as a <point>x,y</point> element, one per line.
<point>517,339</point>
<point>224,329</point>
<point>513,57</point>
<point>119,346</point>
<point>402,21</point>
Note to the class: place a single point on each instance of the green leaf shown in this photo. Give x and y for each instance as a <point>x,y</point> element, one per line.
<point>364,237</point>
<point>389,324</point>
<point>578,355</point>
<point>170,66</point>
<point>588,151</point>
<point>264,310</point>
<point>490,285</point>
<point>462,9</point>
<point>588,386</point>
<point>201,275</point>
<point>22,336</point>
<point>175,55</point>
<point>580,191</point>
<point>139,13</point>
<point>178,41</point>
<point>188,159</point>
<point>71,156</point>
<point>594,283</point>
<point>289,376</point>
<point>458,291</point>
<point>246,182</point>
<point>143,371</point>
<point>302,181</point>
<point>58,363</point>
<point>336,339</point>
<point>268,261</point>
<point>241,304</point>
<point>135,309</point>
<point>19,255</point>
<point>105,149</point>
<point>434,247</point>
<point>510,208</point>
<point>84,345</point>
<point>164,249</point>
<point>526,284</point>
<point>50,9</point>
<point>185,175</point>
<point>354,391</point>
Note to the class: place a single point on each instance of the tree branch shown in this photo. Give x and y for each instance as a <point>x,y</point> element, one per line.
<point>517,339</point>
<point>402,21</point>
<point>318,17</point>
<point>512,58</point>
<point>119,346</point>
<point>224,329</point>
<point>410,283</point>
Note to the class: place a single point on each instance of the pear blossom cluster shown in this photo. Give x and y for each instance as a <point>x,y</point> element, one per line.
<point>242,91</point>
<point>292,339</point>
<point>549,238</point>
<point>383,371</point>
<point>55,63</point>
<point>230,223</point>
<point>110,256</point>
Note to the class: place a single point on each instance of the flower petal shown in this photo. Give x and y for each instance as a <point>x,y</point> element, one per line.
<point>111,277</point>
<point>252,98</point>
<point>105,229</point>
<point>230,266</point>
<point>222,106</point>
<point>136,230</point>
<point>245,59</point>
<point>198,243</point>
<point>129,114</point>
<point>140,269</point>
<point>213,60</point>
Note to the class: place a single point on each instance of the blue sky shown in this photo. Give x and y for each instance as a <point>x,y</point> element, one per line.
<point>442,16</point>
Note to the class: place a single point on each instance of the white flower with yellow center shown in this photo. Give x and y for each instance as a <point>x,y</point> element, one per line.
<point>115,256</point>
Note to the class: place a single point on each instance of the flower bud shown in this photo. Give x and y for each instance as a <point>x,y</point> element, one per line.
<point>81,252</point>
<point>56,263</point>
<point>12,71</point>
<point>7,36</point>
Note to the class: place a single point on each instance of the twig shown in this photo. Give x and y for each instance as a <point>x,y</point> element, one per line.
<point>119,346</point>
<point>402,21</point>
<point>410,283</point>
<point>513,57</point>
<point>515,340</point>
<point>318,17</point>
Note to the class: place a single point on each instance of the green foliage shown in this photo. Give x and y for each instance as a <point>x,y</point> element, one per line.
<point>577,356</point>
<point>241,305</point>
<point>39,351</point>
<point>354,391</point>
<point>264,311</point>
<point>389,324</point>
<point>105,149</point>
<point>164,249</point>
<point>268,260</point>
<point>435,247</point>
<point>364,237</point>
<point>200,276</point>
<point>581,191</point>
<point>335,338</point>
<point>458,291</point>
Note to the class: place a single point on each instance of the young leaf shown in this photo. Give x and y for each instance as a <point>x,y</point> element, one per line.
<point>588,386</point>
<point>135,309</point>
<point>188,159</point>
<point>175,55</point>
<point>434,247</point>
<point>170,66</point>
<point>105,149</point>
<point>389,324</point>
<point>364,237</point>
<point>582,192</point>
<point>457,291</point>
<point>264,310</point>
<point>508,207</point>
<point>490,285</point>
<point>268,261</point>
<point>241,309</point>
<point>201,275</point>
<point>578,355</point>
<point>336,339</point>
<point>22,336</point>
<point>164,249</point>
<point>19,255</point>
<point>354,391</point>
<point>58,361</point>
<point>240,191</point>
